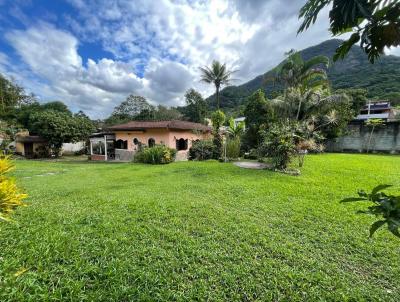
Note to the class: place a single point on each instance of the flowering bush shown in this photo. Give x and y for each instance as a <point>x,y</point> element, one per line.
<point>279,145</point>
<point>10,197</point>
<point>155,155</point>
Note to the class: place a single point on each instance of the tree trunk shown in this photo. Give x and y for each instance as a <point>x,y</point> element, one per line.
<point>217,88</point>
<point>298,110</point>
<point>370,138</point>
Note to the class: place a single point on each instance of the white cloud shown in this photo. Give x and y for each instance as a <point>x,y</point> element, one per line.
<point>157,47</point>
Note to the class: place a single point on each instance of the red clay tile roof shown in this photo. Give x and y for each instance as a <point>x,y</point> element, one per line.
<point>140,125</point>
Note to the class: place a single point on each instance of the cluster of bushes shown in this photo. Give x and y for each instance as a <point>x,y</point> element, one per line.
<point>159,154</point>
<point>202,150</point>
<point>10,196</point>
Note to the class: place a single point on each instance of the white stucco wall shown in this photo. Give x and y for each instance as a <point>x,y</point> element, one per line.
<point>72,147</point>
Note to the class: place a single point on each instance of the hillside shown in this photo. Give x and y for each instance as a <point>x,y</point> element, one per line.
<point>382,79</point>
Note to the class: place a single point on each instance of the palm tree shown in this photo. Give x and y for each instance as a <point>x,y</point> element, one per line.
<point>303,76</point>
<point>235,130</point>
<point>217,74</point>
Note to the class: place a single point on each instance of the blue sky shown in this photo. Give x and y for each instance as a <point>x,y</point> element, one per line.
<point>91,54</point>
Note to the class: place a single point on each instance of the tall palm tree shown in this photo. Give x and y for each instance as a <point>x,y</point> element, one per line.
<point>304,76</point>
<point>217,74</point>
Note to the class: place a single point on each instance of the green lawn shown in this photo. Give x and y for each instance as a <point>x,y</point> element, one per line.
<point>198,231</point>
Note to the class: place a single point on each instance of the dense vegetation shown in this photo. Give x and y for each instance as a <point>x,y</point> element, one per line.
<point>199,231</point>
<point>10,195</point>
<point>155,155</point>
<point>382,79</point>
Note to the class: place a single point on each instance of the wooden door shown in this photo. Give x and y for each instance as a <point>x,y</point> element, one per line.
<point>28,149</point>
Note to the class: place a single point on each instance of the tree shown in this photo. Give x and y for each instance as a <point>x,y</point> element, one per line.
<point>358,97</point>
<point>302,75</point>
<point>56,106</point>
<point>217,74</point>
<point>278,144</point>
<point>196,107</point>
<point>373,123</point>
<point>20,116</point>
<point>11,95</point>
<point>60,127</point>
<point>217,119</point>
<point>132,106</point>
<point>235,130</point>
<point>374,23</point>
<point>129,109</point>
<point>259,114</point>
<point>162,113</point>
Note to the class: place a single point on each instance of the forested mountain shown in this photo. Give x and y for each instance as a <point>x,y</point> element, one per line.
<point>382,79</point>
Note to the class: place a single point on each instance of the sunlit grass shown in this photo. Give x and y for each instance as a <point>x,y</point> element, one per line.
<point>198,231</point>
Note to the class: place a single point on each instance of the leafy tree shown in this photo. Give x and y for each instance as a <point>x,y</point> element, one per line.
<point>374,23</point>
<point>8,132</point>
<point>217,119</point>
<point>162,113</point>
<point>259,114</point>
<point>55,106</point>
<point>196,108</point>
<point>60,127</point>
<point>358,97</point>
<point>279,145</point>
<point>11,95</point>
<point>217,74</point>
<point>132,107</point>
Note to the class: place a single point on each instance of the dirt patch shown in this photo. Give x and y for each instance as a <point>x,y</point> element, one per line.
<point>251,165</point>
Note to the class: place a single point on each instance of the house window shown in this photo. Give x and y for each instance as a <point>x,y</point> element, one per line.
<point>98,148</point>
<point>121,144</point>
<point>181,144</point>
<point>135,141</point>
<point>151,142</point>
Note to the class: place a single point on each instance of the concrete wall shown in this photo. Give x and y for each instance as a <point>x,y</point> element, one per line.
<point>70,148</point>
<point>384,139</point>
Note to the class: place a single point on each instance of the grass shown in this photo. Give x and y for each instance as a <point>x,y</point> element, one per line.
<point>198,231</point>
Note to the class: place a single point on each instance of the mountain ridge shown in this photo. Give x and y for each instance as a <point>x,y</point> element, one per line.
<point>382,79</point>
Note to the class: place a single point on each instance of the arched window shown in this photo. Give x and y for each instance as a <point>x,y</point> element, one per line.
<point>135,141</point>
<point>151,142</point>
<point>181,144</point>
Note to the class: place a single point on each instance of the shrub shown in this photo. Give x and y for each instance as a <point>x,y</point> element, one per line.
<point>155,155</point>
<point>201,150</point>
<point>278,144</point>
<point>10,197</point>
<point>252,154</point>
<point>218,119</point>
<point>387,207</point>
<point>233,148</point>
